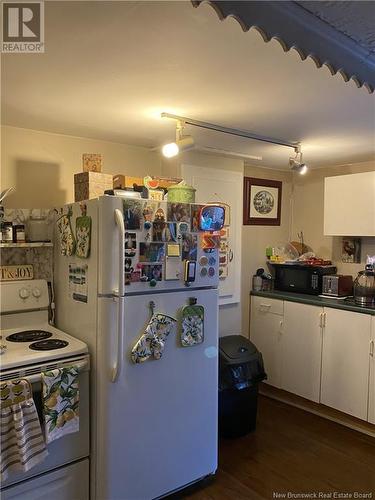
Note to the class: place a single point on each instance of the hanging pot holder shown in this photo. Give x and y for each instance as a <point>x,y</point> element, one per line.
<point>83,235</point>
<point>192,325</point>
<point>67,240</point>
<point>152,342</point>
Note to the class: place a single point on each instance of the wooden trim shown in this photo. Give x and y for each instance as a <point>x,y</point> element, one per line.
<point>318,409</point>
<point>260,221</point>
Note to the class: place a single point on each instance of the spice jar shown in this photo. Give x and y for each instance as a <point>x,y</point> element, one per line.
<point>37,228</point>
<point>19,233</point>
<point>7,232</point>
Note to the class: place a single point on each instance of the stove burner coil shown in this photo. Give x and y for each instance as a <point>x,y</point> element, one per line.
<point>47,345</point>
<point>29,336</point>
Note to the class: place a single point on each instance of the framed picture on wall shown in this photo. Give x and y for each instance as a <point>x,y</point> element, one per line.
<point>262,202</point>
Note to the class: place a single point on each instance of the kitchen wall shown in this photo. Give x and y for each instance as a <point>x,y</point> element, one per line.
<point>302,209</point>
<point>255,239</point>
<point>308,215</point>
<point>41,166</point>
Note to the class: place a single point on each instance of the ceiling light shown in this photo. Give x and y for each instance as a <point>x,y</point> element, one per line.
<point>174,148</point>
<point>170,150</point>
<point>296,163</point>
<point>182,143</point>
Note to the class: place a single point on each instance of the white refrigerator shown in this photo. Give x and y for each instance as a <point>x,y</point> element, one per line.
<point>154,423</point>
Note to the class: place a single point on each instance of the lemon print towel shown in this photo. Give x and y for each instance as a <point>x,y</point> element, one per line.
<point>22,443</point>
<point>60,402</point>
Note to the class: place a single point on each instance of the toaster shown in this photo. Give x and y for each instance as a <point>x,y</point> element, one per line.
<point>337,285</point>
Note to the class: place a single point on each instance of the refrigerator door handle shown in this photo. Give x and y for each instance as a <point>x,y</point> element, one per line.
<point>117,367</point>
<point>121,228</point>
<point>116,370</point>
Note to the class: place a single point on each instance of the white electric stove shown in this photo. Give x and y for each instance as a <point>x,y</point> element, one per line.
<point>29,345</point>
<point>26,336</point>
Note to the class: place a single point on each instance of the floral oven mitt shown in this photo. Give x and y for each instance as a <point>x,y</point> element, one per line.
<point>67,240</point>
<point>152,342</point>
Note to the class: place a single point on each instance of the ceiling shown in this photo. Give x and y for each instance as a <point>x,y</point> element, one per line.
<point>355,19</point>
<point>110,68</point>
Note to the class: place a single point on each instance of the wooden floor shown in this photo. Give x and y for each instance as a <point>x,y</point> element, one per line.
<point>292,451</point>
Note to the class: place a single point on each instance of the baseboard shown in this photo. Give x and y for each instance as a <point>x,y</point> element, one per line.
<point>318,409</point>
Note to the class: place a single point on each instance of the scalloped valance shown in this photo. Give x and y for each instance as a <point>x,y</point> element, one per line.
<point>295,27</point>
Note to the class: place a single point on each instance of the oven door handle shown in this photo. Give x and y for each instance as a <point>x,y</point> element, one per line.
<point>82,366</point>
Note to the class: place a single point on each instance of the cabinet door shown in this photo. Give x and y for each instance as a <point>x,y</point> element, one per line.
<point>340,193</point>
<point>371,400</point>
<point>265,332</point>
<point>301,347</point>
<point>345,361</point>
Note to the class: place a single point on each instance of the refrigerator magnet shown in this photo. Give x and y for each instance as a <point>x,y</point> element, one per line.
<point>192,325</point>
<point>66,236</point>
<point>132,213</point>
<point>152,341</point>
<point>173,250</point>
<point>83,236</point>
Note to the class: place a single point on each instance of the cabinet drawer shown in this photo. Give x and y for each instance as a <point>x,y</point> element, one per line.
<point>266,305</point>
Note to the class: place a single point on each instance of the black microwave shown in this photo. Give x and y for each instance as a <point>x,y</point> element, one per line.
<point>301,278</point>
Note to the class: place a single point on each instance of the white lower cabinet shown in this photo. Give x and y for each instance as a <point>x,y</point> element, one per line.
<point>371,393</point>
<point>345,362</point>
<point>301,350</point>
<point>325,355</point>
<point>265,333</point>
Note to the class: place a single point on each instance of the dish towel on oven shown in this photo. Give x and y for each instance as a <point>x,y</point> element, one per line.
<point>60,402</point>
<point>22,442</point>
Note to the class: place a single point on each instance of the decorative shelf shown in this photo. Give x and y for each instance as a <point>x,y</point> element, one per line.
<point>36,244</point>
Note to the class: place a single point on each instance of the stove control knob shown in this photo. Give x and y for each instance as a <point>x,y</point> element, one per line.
<point>37,293</point>
<point>24,293</point>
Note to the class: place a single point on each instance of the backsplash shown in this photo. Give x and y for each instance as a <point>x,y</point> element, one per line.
<point>40,257</point>
<point>367,248</point>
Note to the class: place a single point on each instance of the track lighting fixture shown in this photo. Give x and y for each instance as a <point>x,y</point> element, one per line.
<point>296,163</point>
<point>182,143</point>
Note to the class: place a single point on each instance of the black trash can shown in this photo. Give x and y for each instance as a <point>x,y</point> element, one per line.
<point>240,371</point>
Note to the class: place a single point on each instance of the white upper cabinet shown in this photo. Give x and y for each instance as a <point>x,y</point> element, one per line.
<point>349,205</point>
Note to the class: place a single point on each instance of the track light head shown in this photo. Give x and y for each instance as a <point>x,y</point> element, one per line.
<point>296,164</point>
<point>170,150</point>
<point>174,148</point>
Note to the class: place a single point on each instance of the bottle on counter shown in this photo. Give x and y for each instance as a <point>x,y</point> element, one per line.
<point>257,283</point>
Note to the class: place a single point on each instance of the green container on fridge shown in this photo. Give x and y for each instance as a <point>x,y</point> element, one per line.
<point>181,193</point>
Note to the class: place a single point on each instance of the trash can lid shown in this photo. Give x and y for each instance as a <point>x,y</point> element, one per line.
<point>237,348</point>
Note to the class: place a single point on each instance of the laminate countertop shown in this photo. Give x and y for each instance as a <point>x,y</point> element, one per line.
<point>303,298</point>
